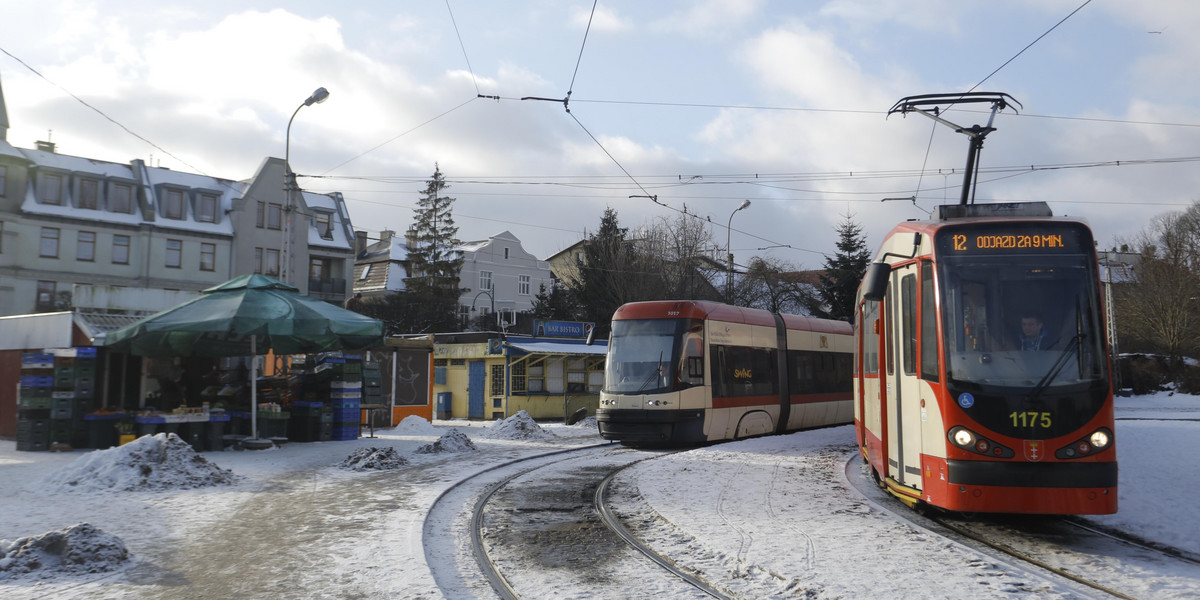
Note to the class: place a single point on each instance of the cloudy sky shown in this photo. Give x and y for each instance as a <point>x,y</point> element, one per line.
<point>702,104</point>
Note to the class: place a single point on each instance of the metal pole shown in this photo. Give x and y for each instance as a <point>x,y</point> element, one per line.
<point>729,251</point>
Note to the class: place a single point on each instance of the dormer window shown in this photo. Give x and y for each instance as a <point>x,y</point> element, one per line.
<point>89,194</point>
<point>50,189</point>
<point>172,204</point>
<point>324,225</point>
<point>206,207</point>
<point>120,198</point>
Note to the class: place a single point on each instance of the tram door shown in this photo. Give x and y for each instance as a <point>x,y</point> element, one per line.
<point>903,389</point>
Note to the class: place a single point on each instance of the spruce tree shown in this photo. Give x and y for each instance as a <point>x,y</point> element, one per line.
<point>435,262</point>
<point>844,270</point>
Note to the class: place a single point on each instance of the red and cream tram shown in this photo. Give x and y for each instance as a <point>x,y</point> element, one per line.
<point>983,375</point>
<point>690,371</point>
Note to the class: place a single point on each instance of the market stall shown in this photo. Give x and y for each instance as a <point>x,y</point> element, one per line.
<point>252,316</point>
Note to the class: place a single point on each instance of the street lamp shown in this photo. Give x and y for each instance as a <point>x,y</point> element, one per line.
<point>289,179</point>
<point>490,297</point>
<point>729,251</point>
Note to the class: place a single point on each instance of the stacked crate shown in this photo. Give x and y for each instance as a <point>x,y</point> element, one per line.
<point>34,401</point>
<point>73,395</point>
<point>345,395</point>
<point>372,384</point>
<point>312,421</point>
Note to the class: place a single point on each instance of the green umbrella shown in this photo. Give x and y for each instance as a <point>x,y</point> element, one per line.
<point>243,317</point>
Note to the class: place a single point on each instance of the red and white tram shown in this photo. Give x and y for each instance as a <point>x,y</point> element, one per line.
<point>982,380</point>
<point>691,371</point>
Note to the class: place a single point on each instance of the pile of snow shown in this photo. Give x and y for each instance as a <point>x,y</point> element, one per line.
<point>79,548</point>
<point>520,426</point>
<point>414,425</point>
<point>374,459</point>
<point>587,423</point>
<point>151,462</point>
<point>453,441</point>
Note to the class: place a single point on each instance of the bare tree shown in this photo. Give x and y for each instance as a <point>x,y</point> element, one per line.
<point>778,286</point>
<point>1156,311</point>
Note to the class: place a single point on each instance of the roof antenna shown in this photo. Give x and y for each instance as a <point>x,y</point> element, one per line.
<point>930,105</point>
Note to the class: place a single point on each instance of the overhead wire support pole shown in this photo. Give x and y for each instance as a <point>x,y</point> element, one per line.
<point>931,105</point>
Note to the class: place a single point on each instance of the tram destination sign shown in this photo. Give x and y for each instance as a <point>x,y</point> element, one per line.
<point>1005,238</point>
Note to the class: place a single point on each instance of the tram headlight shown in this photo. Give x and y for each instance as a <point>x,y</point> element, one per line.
<point>964,438</point>
<point>1100,439</point>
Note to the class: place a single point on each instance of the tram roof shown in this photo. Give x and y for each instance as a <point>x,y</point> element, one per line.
<point>704,309</point>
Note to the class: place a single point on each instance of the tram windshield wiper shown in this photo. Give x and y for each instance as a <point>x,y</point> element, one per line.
<point>655,374</point>
<point>1057,367</point>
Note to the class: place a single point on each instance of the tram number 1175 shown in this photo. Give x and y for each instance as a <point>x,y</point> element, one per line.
<point>1026,419</point>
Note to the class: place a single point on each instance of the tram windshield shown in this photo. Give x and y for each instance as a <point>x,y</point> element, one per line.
<point>643,355</point>
<point>1022,317</point>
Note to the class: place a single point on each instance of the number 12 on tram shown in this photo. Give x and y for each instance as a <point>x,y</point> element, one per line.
<point>982,379</point>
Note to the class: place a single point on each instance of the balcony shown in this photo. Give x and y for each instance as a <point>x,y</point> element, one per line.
<point>327,287</point>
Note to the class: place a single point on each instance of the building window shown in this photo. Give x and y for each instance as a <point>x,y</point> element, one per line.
<point>3,181</point>
<point>365,272</point>
<point>208,257</point>
<point>121,199</point>
<point>120,255</point>
<point>89,194</point>
<point>318,269</point>
<point>45,296</point>
<point>506,254</point>
<point>172,205</point>
<point>1,236</point>
<point>485,280</point>
<point>271,262</point>
<point>206,209</point>
<point>258,256</point>
<point>49,245</point>
<point>324,226</point>
<point>274,216</point>
<point>174,253</point>
<point>260,214</point>
<point>523,285</point>
<point>517,373</point>
<point>497,380</point>
<point>85,246</point>
<point>50,190</point>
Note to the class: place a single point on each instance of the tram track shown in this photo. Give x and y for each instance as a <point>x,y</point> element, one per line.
<point>1087,556</point>
<point>527,526</point>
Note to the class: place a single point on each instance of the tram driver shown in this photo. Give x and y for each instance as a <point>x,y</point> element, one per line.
<point>1033,333</point>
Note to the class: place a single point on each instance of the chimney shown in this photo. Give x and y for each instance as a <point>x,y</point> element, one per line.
<point>386,235</point>
<point>45,146</point>
<point>360,243</point>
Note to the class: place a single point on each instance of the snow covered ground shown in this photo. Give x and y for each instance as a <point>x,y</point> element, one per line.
<point>776,516</point>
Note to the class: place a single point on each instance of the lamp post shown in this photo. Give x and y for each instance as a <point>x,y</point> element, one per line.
<point>729,251</point>
<point>289,180</point>
<point>490,297</point>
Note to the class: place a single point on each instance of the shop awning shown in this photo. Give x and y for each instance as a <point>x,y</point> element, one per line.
<point>558,347</point>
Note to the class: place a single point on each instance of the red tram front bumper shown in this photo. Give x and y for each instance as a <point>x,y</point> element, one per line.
<point>1057,488</point>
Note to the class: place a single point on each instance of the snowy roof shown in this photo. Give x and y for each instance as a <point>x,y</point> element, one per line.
<point>328,204</point>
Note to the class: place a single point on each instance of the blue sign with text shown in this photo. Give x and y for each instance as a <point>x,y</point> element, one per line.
<point>567,329</point>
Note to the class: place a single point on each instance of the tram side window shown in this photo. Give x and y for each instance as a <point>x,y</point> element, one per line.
<point>908,318</point>
<point>929,339</point>
<point>742,371</point>
<point>870,338</point>
<point>820,372</point>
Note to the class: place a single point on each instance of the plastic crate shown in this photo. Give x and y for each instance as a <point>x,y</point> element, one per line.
<point>33,425</point>
<point>37,357</point>
<point>61,413</point>
<point>36,381</point>
<point>33,446</point>
<point>344,433</point>
<point>35,402</point>
<point>341,404</point>
<point>346,415</point>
